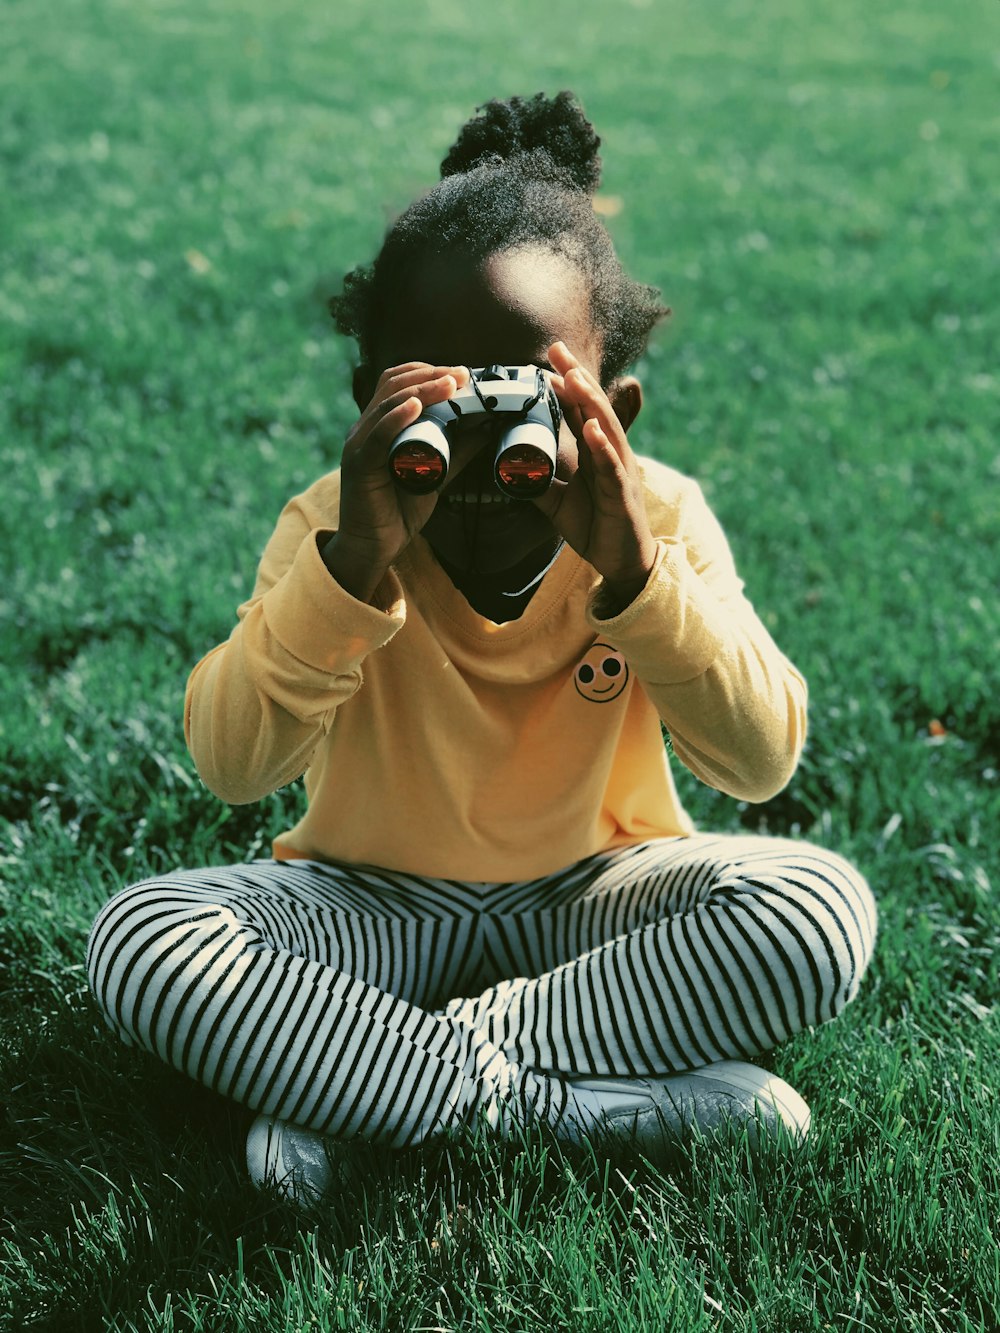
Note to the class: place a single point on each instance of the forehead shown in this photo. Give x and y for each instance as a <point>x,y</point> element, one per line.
<point>506,308</point>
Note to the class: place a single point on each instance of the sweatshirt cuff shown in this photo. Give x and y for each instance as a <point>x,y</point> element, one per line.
<point>674,630</point>
<point>320,624</point>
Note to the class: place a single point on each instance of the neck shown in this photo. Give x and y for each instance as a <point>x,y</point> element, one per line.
<point>504,594</point>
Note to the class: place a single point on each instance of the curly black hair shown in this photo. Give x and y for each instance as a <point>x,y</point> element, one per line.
<point>522,171</point>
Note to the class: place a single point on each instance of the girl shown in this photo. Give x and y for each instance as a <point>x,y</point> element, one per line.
<point>494,906</point>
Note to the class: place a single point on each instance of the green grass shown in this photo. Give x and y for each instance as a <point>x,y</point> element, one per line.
<point>816,192</point>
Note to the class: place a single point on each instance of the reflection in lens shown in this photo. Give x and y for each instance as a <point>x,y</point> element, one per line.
<point>418,467</point>
<point>524,471</point>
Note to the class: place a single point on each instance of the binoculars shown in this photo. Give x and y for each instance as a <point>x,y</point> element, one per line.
<point>517,401</point>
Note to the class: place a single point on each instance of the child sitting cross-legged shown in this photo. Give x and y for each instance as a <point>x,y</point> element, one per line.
<point>494,907</point>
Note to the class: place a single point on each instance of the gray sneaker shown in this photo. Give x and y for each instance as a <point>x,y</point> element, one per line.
<point>299,1164</point>
<point>658,1113</point>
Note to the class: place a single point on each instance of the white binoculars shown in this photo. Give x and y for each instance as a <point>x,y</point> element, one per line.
<point>523,406</point>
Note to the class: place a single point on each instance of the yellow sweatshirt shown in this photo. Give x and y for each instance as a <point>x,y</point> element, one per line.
<point>437,742</point>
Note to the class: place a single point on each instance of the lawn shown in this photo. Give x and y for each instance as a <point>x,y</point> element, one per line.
<point>816,190</point>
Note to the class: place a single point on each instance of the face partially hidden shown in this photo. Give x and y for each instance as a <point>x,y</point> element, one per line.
<point>505,310</point>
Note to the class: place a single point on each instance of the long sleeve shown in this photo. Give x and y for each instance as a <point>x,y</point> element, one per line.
<point>258,705</point>
<point>437,742</point>
<point>734,706</point>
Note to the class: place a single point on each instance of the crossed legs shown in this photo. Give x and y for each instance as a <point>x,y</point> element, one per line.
<point>358,1002</point>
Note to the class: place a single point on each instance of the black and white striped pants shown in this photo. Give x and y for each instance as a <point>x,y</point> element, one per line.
<point>359,1002</point>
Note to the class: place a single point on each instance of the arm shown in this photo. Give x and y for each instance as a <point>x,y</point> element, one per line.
<point>326,596</point>
<point>734,706</point>
<point>259,704</point>
<point>672,602</point>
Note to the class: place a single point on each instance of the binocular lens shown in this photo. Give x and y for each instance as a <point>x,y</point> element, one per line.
<point>418,467</point>
<point>524,471</point>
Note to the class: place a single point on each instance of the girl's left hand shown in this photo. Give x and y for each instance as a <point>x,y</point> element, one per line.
<point>598,508</point>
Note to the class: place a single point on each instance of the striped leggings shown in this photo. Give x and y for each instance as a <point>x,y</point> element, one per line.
<point>366,1003</point>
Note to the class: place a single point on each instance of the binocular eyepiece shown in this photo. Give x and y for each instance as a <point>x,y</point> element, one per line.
<point>518,401</point>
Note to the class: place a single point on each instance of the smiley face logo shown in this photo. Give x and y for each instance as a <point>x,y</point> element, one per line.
<point>601,675</point>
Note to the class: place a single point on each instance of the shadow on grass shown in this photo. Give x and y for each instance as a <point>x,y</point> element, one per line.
<point>127,1206</point>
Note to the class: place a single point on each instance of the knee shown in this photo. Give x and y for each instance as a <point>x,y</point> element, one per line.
<point>133,949</point>
<point>119,936</point>
<point>814,925</point>
<point>839,919</point>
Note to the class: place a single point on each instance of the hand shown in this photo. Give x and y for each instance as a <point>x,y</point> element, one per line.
<point>378,519</point>
<point>599,509</point>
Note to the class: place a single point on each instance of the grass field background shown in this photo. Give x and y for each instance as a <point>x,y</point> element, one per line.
<point>816,191</point>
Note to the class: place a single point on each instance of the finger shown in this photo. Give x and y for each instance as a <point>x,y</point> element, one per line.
<point>434,390</point>
<point>561,358</point>
<point>579,403</point>
<point>393,372</point>
<point>579,386</point>
<point>414,371</point>
<point>370,446</point>
<point>411,376</point>
<point>609,472</point>
<point>567,368</point>
<point>599,447</point>
<point>567,384</point>
<point>570,410</point>
<point>594,404</point>
<point>564,362</point>
<point>582,380</point>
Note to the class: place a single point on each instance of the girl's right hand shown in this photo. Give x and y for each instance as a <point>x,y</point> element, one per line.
<point>378,519</point>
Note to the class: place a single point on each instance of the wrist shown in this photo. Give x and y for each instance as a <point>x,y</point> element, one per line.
<point>619,590</point>
<point>617,597</point>
<point>352,567</point>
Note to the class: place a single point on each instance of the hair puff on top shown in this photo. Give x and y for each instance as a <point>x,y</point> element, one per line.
<point>551,135</point>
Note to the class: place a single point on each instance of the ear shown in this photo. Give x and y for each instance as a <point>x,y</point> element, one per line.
<point>363,386</point>
<point>625,395</point>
